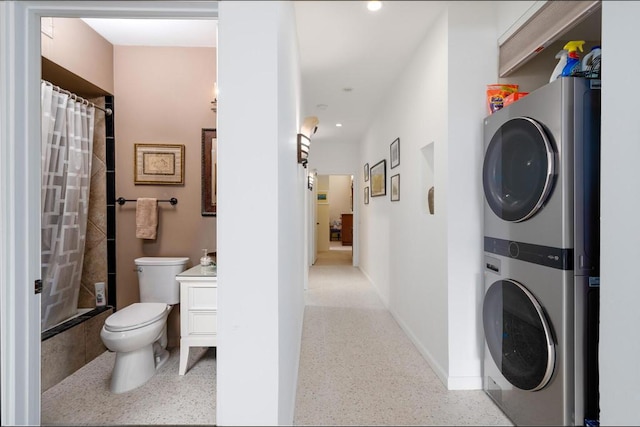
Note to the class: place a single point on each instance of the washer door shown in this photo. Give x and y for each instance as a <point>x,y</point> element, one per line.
<point>518,170</point>
<point>518,335</point>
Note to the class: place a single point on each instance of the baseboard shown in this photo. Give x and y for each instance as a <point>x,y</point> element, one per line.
<point>441,373</point>
<point>451,383</point>
<point>384,300</point>
<point>464,383</point>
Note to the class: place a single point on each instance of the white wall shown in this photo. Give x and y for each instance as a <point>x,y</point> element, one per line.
<point>334,157</point>
<point>467,109</point>
<point>339,196</point>
<point>427,268</point>
<point>291,213</point>
<point>260,245</point>
<point>403,249</point>
<point>620,204</point>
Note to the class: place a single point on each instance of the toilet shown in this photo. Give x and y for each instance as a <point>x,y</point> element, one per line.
<point>138,332</point>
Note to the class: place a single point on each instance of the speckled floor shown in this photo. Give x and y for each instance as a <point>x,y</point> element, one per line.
<point>83,398</point>
<point>357,367</point>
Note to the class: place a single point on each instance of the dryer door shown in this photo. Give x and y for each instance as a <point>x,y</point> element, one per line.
<point>518,335</point>
<point>518,170</point>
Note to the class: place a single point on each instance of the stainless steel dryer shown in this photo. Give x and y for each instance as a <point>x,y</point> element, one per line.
<point>541,226</point>
<point>539,158</point>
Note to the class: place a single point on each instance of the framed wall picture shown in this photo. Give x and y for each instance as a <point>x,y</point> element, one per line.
<point>158,164</point>
<point>379,179</point>
<point>323,197</point>
<point>366,195</point>
<point>366,172</point>
<point>209,172</point>
<point>395,153</point>
<point>395,187</point>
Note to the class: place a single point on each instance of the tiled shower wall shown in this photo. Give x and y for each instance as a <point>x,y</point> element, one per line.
<point>66,349</point>
<point>94,268</point>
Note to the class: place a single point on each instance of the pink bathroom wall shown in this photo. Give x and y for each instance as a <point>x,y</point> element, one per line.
<point>162,96</point>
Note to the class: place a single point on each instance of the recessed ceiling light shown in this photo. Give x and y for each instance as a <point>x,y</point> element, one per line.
<point>339,125</point>
<point>374,5</point>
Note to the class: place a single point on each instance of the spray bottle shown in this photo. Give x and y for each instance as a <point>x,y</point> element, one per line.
<point>574,65</point>
<point>557,71</point>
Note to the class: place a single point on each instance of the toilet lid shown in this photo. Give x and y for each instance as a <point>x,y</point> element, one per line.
<point>135,316</point>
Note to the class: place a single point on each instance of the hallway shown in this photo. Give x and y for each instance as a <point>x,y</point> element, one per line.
<point>357,367</point>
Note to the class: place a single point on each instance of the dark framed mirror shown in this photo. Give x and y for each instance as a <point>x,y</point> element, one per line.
<point>209,172</point>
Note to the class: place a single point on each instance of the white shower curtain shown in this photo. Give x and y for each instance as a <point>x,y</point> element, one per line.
<point>67,142</point>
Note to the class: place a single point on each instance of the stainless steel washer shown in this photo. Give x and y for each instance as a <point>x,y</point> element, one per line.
<point>528,319</point>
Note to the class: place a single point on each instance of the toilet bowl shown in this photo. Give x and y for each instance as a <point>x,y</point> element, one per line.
<point>138,333</point>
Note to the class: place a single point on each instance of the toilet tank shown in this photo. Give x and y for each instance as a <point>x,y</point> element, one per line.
<point>157,278</point>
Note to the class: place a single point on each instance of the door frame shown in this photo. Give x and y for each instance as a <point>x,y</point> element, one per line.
<point>357,190</point>
<point>20,73</point>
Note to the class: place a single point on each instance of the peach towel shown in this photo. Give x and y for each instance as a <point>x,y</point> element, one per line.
<point>146,218</point>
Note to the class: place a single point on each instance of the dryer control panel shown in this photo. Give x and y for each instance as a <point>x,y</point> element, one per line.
<point>559,258</point>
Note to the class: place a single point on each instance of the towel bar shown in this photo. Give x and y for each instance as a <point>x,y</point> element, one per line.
<point>122,200</point>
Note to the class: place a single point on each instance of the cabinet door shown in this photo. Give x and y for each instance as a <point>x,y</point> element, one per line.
<point>347,229</point>
<point>203,297</point>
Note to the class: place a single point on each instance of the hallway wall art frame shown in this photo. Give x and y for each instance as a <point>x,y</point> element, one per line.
<point>395,188</point>
<point>394,153</point>
<point>379,179</point>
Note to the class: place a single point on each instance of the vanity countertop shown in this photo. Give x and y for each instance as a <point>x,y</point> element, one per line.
<point>199,272</point>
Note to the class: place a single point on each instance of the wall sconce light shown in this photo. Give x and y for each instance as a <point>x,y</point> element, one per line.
<point>214,103</point>
<point>310,179</point>
<point>303,149</point>
<point>309,127</point>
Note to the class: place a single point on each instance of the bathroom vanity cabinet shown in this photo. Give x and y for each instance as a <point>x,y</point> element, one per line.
<point>198,311</point>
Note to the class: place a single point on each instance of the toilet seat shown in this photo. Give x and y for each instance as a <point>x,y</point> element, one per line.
<point>135,316</point>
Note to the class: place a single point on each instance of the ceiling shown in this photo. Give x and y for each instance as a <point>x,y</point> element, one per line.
<point>156,32</point>
<point>349,56</point>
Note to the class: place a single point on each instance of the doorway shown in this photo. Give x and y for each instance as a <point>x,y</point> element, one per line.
<point>143,66</point>
<point>20,325</point>
<point>334,224</point>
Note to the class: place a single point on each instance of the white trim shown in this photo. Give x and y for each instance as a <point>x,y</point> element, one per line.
<point>20,223</point>
<point>437,369</point>
<point>20,181</point>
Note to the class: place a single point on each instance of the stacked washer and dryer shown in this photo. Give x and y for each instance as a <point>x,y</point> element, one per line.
<point>541,180</point>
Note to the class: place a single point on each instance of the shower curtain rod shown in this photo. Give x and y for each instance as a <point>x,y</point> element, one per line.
<point>75,97</point>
